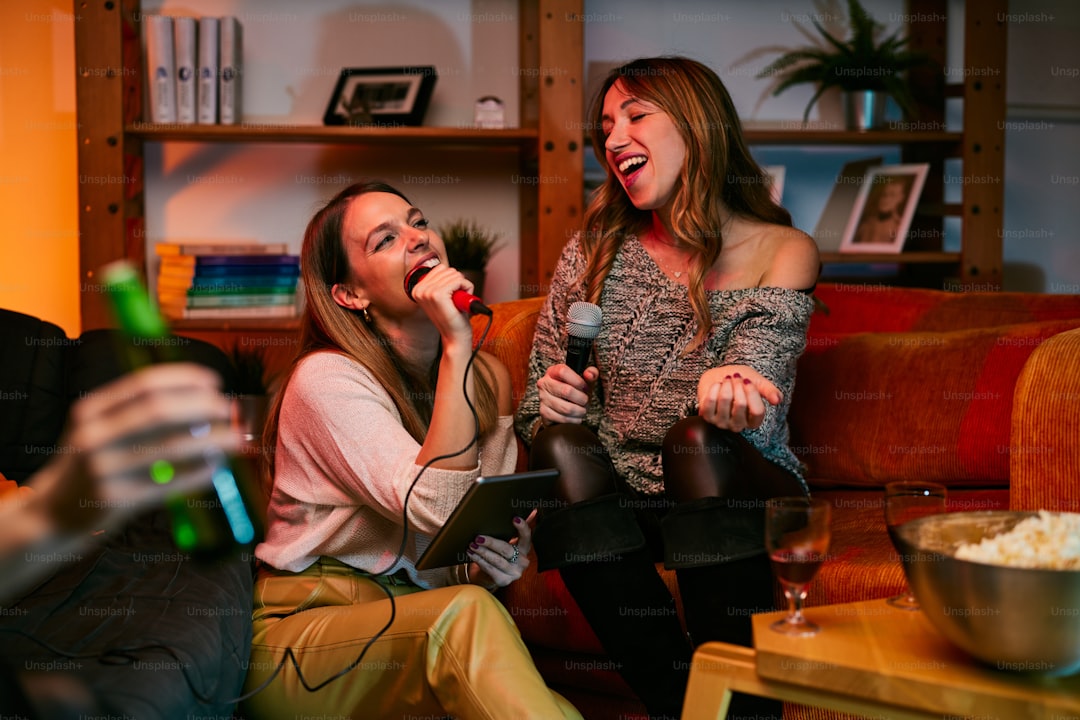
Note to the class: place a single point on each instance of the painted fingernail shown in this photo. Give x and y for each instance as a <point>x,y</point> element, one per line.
<point>474,546</point>
<point>746,381</point>
<point>727,377</point>
<point>480,539</point>
<point>737,375</point>
<point>518,520</point>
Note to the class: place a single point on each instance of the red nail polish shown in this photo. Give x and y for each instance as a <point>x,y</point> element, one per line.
<point>480,539</point>
<point>727,377</point>
<point>518,520</point>
<point>737,375</point>
<point>746,381</point>
<point>474,546</point>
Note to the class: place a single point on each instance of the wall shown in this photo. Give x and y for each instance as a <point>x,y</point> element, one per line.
<point>38,175</point>
<point>1042,147</point>
<point>39,253</point>
<point>293,54</point>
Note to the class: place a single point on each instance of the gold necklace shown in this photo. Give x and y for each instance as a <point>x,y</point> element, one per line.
<point>656,256</point>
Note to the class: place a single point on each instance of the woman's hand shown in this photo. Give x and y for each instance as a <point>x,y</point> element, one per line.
<point>564,394</point>
<point>733,397</point>
<point>499,562</point>
<point>435,295</point>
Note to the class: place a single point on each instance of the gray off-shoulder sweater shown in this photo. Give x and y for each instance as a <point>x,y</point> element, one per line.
<point>646,383</point>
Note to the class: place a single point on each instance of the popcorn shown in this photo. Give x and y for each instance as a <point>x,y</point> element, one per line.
<point>1049,541</point>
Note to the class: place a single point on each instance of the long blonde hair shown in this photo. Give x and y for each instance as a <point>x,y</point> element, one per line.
<point>719,173</point>
<point>325,325</point>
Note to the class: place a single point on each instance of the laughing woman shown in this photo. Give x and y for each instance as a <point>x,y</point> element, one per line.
<point>375,395</point>
<point>670,441</point>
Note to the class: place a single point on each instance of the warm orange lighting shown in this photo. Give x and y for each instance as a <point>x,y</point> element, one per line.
<point>39,229</point>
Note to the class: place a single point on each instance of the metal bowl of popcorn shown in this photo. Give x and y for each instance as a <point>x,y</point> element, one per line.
<point>1003,586</point>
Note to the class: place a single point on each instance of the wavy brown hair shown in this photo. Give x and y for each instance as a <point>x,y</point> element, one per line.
<point>719,173</point>
<point>325,325</point>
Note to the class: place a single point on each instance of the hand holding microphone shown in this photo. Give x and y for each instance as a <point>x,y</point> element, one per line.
<point>464,301</point>
<point>564,389</point>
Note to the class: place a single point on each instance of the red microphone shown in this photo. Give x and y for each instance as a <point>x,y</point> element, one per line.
<point>466,302</point>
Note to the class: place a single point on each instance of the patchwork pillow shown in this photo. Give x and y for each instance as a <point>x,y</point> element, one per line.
<point>871,408</point>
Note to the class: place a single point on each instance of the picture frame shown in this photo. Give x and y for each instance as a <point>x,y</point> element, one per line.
<point>383,96</point>
<point>829,231</point>
<point>883,210</point>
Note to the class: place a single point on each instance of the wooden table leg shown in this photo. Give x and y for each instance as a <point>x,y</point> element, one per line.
<point>708,694</point>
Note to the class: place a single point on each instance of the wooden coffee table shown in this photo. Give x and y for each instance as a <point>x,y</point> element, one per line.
<point>874,660</point>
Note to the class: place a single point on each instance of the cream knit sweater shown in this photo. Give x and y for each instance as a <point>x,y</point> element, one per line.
<point>344,464</point>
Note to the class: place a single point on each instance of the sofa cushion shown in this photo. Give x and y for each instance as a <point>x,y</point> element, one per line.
<point>861,563</point>
<point>880,308</point>
<point>101,356</point>
<point>510,338</point>
<point>33,369</point>
<point>929,405</point>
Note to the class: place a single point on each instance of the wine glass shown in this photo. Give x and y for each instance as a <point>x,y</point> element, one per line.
<point>909,500</point>
<point>797,538</point>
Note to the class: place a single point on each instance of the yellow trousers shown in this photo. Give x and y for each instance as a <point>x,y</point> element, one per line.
<point>450,651</point>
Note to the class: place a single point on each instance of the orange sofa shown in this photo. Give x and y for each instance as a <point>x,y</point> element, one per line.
<point>979,391</point>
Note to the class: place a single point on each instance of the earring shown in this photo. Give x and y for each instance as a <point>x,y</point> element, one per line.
<point>367,317</point>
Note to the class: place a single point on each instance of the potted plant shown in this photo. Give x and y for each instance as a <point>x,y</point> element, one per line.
<point>249,365</point>
<point>865,69</point>
<point>468,248</point>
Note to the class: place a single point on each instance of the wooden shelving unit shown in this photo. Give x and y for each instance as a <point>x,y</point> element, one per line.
<point>761,136</point>
<point>979,145</point>
<point>908,258</point>
<point>112,134</point>
<point>319,134</point>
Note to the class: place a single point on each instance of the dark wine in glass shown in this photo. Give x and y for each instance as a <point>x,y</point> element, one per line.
<point>797,538</point>
<point>795,568</point>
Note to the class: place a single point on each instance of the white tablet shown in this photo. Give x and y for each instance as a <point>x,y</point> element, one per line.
<point>488,508</point>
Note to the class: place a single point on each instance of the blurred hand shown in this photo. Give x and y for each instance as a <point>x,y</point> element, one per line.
<point>136,440</point>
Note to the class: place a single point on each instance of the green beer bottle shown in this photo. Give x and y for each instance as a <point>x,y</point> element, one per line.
<point>211,523</point>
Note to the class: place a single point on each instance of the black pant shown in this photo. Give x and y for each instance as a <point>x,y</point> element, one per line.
<point>708,526</point>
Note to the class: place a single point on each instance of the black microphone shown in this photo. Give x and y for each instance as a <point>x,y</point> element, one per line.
<point>466,302</point>
<point>583,325</point>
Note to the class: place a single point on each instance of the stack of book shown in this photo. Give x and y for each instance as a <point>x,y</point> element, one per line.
<point>228,280</point>
<point>193,69</point>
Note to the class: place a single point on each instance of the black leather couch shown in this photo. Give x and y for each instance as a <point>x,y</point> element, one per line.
<point>131,628</point>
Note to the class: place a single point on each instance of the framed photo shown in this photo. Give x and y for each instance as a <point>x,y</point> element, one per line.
<point>830,227</point>
<point>381,96</point>
<point>883,210</point>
